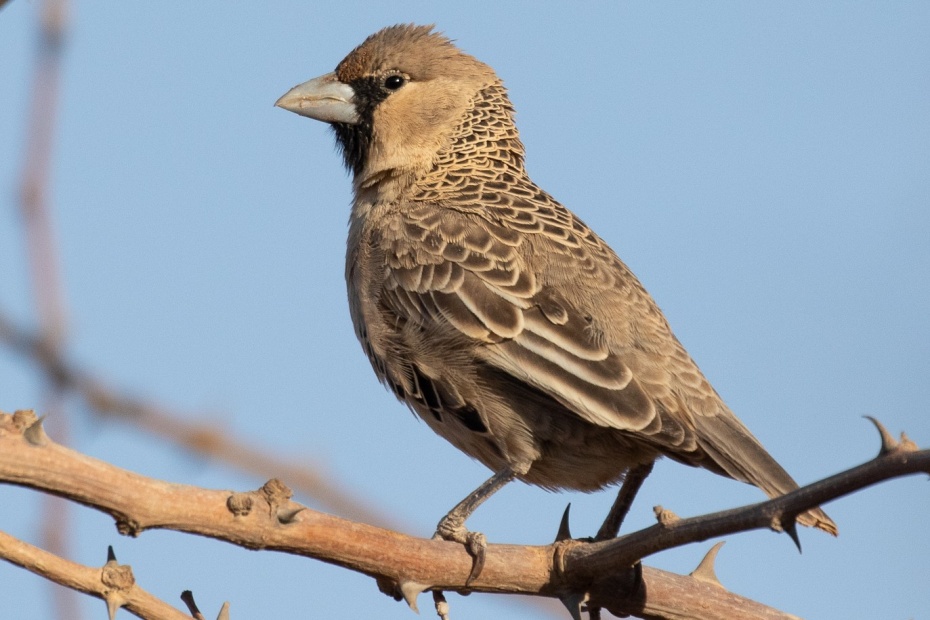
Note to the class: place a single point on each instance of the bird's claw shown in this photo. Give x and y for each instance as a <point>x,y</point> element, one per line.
<point>476,543</point>
<point>477,546</point>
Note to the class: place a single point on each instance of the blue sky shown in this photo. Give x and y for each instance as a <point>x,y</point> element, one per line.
<point>764,168</point>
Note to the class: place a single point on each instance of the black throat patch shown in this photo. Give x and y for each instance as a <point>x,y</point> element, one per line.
<point>355,140</point>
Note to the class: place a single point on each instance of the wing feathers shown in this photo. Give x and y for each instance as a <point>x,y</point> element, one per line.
<point>627,409</point>
<point>570,335</point>
<point>470,273</point>
<point>454,310</point>
<point>498,314</point>
<point>608,372</point>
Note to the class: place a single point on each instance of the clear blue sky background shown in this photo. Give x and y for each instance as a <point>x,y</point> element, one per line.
<point>763,167</point>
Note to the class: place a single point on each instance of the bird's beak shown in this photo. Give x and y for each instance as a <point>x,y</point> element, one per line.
<point>324,98</point>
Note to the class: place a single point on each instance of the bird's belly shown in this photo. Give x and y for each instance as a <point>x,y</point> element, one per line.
<point>559,452</point>
<point>587,460</point>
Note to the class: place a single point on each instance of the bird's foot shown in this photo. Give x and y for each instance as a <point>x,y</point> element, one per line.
<point>453,529</point>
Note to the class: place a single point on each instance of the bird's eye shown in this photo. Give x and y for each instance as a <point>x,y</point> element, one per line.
<point>393,82</point>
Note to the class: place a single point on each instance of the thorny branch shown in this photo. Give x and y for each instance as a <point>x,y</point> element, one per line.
<point>113,583</point>
<point>604,574</point>
<point>895,459</point>
<point>199,438</point>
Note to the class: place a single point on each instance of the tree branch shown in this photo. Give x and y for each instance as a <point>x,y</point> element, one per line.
<point>113,583</point>
<point>895,459</point>
<point>42,247</point>
<point>605,573</point>
<point>198,438</point>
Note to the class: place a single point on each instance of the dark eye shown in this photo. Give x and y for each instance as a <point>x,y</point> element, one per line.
<point>393,82</point>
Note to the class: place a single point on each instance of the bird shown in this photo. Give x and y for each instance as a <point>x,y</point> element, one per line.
<point>502,320</point>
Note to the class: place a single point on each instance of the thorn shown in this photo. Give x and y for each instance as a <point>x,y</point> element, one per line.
<point>410,591</point>
<point>791,528</point>
<point>286,517</point>
<point>224,612</point>
<point>112,607</point>
<point>188,597</point>
<point>705,570</point>
<point>442,606</point>
<point>564,532</point>
<point>889,444</point>
<point>573,604</point>
<point>117,579</point>
<point>789,525</point>
<point>35,434</point>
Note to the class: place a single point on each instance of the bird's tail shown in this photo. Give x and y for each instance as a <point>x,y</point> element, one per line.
<point>739,455</point>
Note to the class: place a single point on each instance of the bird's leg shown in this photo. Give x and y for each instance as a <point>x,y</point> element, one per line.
<point>452,526</point>
<point>633,480</point>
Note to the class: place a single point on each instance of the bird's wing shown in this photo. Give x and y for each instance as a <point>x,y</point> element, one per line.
<point>472,274</point>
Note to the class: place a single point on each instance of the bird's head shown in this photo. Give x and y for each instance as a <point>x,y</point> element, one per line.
<point>396,101</point>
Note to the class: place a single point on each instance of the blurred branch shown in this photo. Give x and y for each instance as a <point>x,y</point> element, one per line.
<point>37,219</point>
<point>199,438</point>
<point>42,248</point>
<point>605,574</point>
<point>113,583</point>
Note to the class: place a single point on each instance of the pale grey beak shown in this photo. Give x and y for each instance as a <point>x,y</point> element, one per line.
<point>324,98</point>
